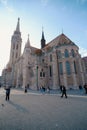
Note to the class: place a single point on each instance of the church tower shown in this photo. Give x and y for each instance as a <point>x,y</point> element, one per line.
<point>43,40</point>
<point>16,41</point>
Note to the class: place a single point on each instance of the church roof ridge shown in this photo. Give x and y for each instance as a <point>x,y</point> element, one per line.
<point>60,40</point>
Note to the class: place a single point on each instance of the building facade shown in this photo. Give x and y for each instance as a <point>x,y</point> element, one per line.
<point>56,63</point>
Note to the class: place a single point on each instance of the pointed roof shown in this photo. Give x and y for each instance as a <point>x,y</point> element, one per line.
<point>43,34</point>
<point>18,25</point>
<point>27,43</point>
<point>62,39</point>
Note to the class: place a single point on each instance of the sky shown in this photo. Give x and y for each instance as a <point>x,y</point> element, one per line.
<point>69,16</point>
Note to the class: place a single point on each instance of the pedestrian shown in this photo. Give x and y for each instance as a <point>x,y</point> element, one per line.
<point>85,87</point>
<point>80,87</point>
<point>7,93</point>
<point>43,89</point>
<point>25,89</point>
<point>64,91</point>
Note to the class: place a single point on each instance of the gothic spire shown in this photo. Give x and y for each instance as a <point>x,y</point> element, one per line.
<point>42,33</point>
<point>18,25</point>
<point>43,39</point>
<point>28,42</point>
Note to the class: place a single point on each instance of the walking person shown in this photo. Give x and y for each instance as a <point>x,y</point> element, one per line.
<point>7,93</point>
<point>64,91</point>
<point>43,89</point>
<point>85,87</point>
<point>25,89</point>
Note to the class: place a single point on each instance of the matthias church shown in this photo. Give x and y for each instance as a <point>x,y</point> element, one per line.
<point>56,63</point>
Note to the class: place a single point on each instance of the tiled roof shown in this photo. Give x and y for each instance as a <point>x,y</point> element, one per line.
<point>61,40</point>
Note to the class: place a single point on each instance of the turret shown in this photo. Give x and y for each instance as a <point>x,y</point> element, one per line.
<point>27,43</point>
<point>43,40</point>
<point>16,41</point>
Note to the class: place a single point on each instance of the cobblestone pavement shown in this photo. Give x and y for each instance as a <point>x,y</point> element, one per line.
<point>37,111</point>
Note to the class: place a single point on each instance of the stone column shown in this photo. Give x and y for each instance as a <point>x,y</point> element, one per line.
<point>64,75</point>
<point>55,71</point>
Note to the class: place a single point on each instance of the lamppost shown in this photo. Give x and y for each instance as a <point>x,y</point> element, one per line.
<point>37,77</point>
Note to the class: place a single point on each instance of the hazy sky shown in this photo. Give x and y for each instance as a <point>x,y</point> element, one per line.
<point>54,15</point>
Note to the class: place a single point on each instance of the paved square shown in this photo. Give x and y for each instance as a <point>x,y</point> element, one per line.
<point>42,112</point>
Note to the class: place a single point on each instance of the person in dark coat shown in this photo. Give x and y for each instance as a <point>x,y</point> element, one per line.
<point>25,89</point>
<point>7,93</point>
<point>85,87</point>
<point>64,91</point>
<point>43,88</point>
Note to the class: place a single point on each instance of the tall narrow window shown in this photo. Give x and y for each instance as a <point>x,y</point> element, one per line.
<point>75,67</point>
<point>66,53</point>
<point>43,74</point>
<point>60,68</point>
<point>72,53</point>
<point>68,70</point>
<point>50,71</point>
<point>59,55</point>
<point>50,57</point>
<point>40,74</point>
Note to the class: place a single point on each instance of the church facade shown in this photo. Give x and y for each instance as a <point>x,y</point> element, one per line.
<point>56,63</point>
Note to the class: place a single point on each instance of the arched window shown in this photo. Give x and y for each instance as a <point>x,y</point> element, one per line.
<point>72,53</point>
<point>42,73</point>
<point>59,55</point>
<point>60,68</point>
<point>66,53</point>
<point>68,69</point>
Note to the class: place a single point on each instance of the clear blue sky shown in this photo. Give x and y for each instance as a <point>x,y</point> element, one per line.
<point>54,15</point>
